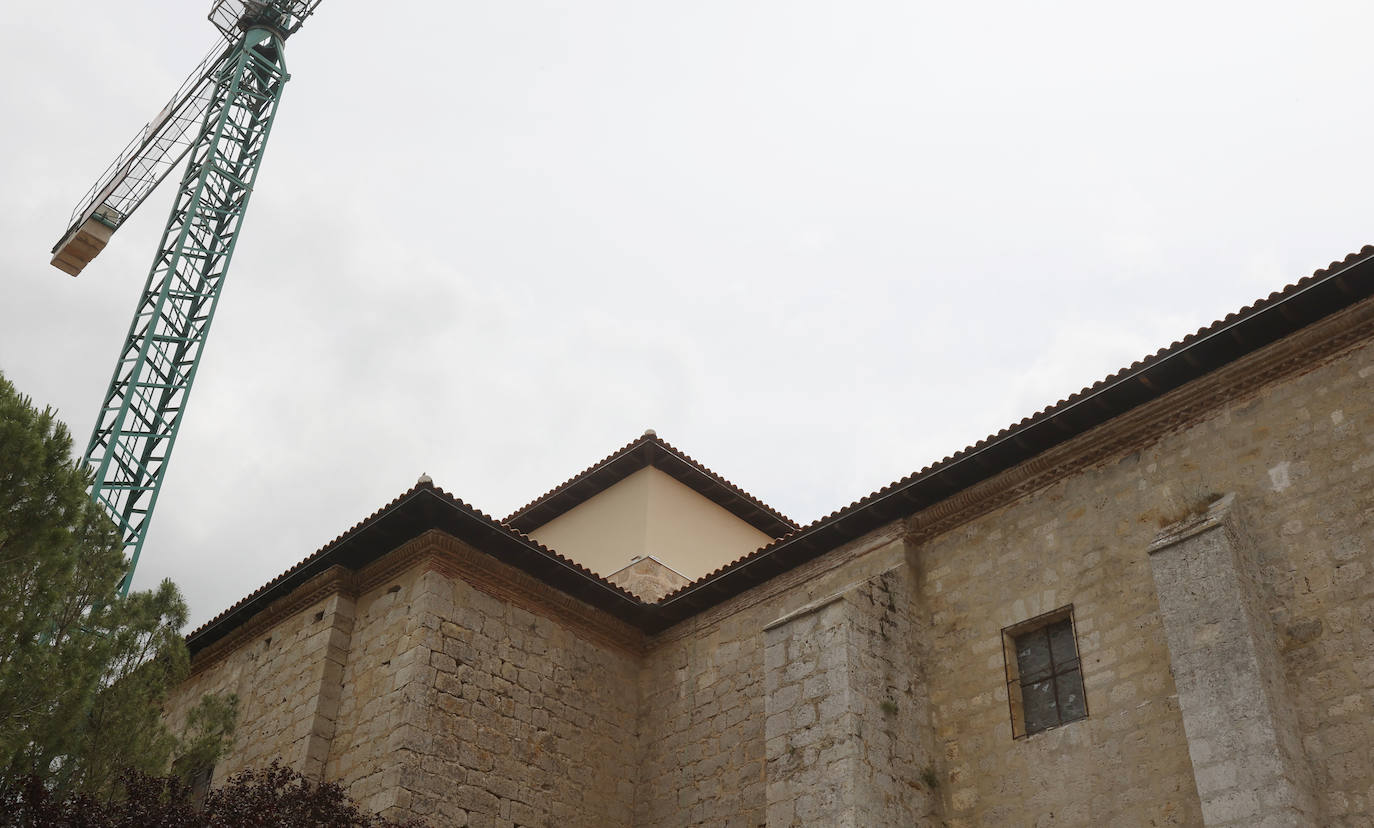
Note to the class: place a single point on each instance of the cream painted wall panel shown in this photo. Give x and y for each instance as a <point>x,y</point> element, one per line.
<point>608,531</point>
<point>691,534</point>
<point>650,513</point>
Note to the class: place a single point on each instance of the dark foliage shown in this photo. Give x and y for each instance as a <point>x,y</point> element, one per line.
<point>267,798</point>
<point>83,673</point>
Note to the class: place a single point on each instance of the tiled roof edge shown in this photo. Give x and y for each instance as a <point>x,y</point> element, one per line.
<point>1318,277</point>
<point>194,638</point>
<point>848,522</point>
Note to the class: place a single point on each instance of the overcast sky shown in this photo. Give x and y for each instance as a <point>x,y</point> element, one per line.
<point>815,245</point>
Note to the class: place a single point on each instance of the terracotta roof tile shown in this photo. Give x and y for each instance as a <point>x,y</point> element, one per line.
<point>1135,369</point>
<point>1325,292</point>
<point>465,509</point>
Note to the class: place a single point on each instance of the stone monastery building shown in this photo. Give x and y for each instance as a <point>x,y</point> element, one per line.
<point>1150,604</point>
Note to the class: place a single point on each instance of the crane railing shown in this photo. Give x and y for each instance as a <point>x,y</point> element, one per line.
<point>152,154</point>
<point>232,17</point>
<point>163,142</point>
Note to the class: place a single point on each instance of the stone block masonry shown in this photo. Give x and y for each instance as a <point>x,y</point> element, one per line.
<point>846,733</point>
<point>1242,732</point>
<point>520,722</point>
<point>289,676</point>
<point>706,758</point>
<point>1294,453</point>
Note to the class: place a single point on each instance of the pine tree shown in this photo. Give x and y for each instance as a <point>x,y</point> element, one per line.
<point>83,674</point>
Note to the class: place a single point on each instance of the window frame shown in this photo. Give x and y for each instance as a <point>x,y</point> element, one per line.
<point>1015,703</point>
<point>199,779</point>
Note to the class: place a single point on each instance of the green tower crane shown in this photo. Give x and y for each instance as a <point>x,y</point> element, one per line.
<point>220,118</point>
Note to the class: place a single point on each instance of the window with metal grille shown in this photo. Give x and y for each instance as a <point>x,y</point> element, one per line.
<point>1044,677</point>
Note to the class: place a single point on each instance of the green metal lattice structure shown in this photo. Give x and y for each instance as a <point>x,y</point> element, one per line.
<point>221,118</point>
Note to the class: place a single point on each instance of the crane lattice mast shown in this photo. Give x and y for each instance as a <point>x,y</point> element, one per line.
<point>220,118</point>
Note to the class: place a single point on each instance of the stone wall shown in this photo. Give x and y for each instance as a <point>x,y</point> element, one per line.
<point>437,692</point>
<point>520,721</point>
<point>648,579</point>
<point>803,686</point>
<point>1243,736</point>
<point>848,737</point>
<point>287,672</point>
<point>1299,456</point>
<point>1127,762</point>
<point>701,720</point>
<point>378,727</point>
<point>868,686</point>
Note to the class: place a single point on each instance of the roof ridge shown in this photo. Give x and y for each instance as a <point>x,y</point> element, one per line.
<point>1326,292</point>
<point>724,482</point>
<point>649,438</point>
<point>302,562</point>
<point>635,443</point>
<point>379,514</point>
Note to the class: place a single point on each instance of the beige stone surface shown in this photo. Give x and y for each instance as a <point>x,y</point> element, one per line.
<point>380,706</point>
<point>1243,738</point>
<point>648,579</point>
<point>521,721</point>
<point>705,697</point>
<point>287,681</point>
<point>1297,454</point>
<point>848,730</point>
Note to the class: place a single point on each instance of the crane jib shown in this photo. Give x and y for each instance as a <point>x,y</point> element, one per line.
<point>219,119</point>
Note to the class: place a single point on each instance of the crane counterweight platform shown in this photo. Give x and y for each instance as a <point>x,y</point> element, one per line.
<point>220,120</point>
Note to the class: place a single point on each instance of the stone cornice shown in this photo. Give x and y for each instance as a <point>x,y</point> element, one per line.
<point>1136,429</point>
<point>438,552</point>
<point>1131,430</point>
<point>403,558</point>
<point>1143,426</point>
